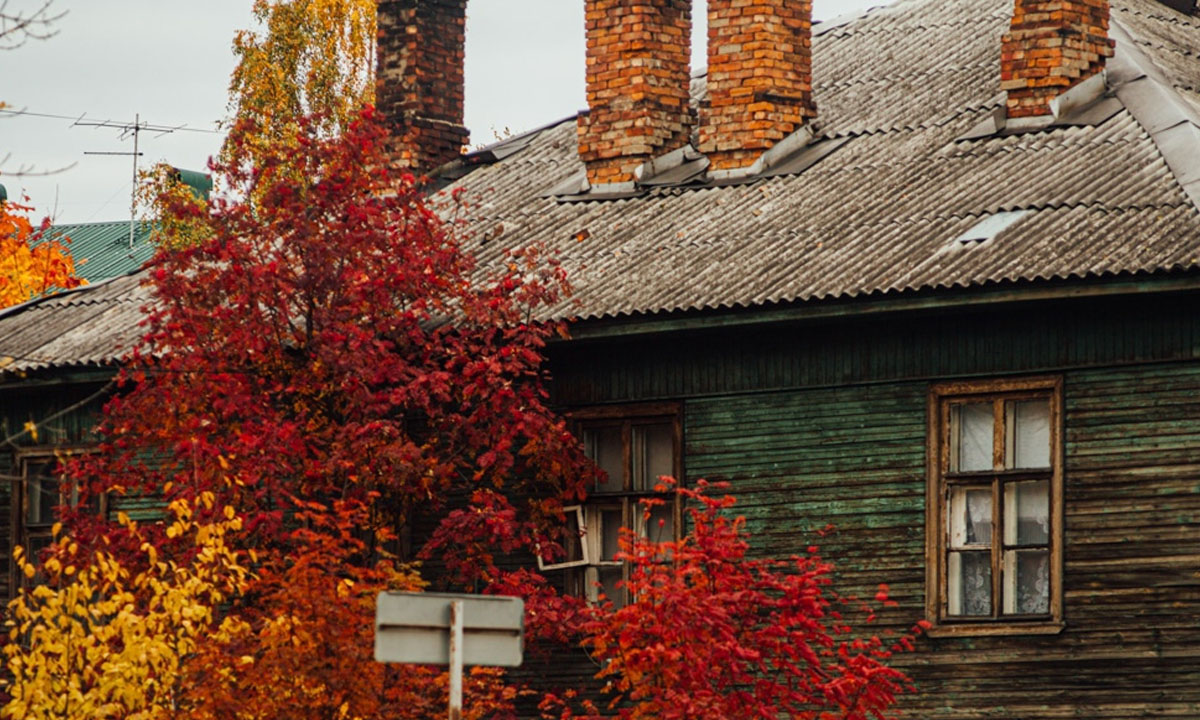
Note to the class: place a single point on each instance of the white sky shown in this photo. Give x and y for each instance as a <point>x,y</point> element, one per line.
<point>169,61</point>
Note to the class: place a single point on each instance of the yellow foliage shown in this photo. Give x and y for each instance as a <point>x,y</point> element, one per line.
<point>28,272</point>
<point>313,58</point>
<point>178,215</point>
<point>99,641</point>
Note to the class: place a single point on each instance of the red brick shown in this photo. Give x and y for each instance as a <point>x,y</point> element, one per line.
<point>419,80</point>
<point>1051,46</point>
<point>759,77</point>
<point>637,85</point>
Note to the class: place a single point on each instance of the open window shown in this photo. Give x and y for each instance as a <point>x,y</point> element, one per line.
<point>633,446</point>
<point>573,551</point>
<point>995,509</point>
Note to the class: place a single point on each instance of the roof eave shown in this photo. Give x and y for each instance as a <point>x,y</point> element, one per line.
<point>880,304</point>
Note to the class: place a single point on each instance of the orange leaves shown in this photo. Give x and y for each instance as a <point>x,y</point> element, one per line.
<point>27,271</point>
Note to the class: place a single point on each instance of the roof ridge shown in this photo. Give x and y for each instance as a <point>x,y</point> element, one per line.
<point>1174,17</point>
<point>1159,109</point>
<point>848,27</point>
<point>100,222</point>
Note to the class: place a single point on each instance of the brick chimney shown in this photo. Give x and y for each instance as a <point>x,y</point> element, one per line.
<point>1051,47</point>
<point>759,78</point>
<point>419,80</point>
<point>637,85</point>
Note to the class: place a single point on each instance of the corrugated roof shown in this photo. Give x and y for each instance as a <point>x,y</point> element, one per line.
<point>92,325</point>
<point>880,214</point>
<point>102,250</point>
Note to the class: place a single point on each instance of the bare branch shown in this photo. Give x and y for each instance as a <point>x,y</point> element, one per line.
<point>18,25</point>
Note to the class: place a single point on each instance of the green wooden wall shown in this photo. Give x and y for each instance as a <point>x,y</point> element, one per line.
<point>916,346</point>
<point>854,458</point>
<point>824,424</point>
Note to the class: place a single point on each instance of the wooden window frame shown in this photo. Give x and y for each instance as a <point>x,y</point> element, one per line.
<point>940,479</point>
<point>21,530</point>
<point>581,577</point>
<point>576,511</point>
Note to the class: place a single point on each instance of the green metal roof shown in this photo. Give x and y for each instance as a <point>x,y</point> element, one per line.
<point>101,250</point>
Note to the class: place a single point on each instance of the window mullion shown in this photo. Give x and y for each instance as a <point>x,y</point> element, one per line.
<point>627,454</point>
<point>998,464</point>
<point>998,434</point>
<point>997,548</point>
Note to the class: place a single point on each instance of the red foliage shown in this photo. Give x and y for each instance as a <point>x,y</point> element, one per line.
<point>331,363</point>
<point>715,634</point>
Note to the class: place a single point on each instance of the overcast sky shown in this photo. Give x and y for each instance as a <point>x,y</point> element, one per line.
<point>169,62</point>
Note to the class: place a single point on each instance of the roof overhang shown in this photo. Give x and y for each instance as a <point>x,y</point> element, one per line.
<point>882,305</point>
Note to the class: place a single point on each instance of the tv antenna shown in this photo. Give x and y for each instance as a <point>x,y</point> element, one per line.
<point>134,129</point>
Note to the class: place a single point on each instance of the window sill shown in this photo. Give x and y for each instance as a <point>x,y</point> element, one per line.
<point>998,629</point>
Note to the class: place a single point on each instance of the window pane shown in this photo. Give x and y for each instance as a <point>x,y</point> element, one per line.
<point>609,576</point>
<point>572,540</point>
<point>653,454</point>
<point>1027,513</point>
<point>1031,434</point>
<point>970,584</point>
<point>43,498</point>
<point>610,534</point>
<point>1027,585</point>
<point>35,544</point>
<point>970,517</point>
<point>603,446</point>
<point>661,525</point>
<point>971,437</point>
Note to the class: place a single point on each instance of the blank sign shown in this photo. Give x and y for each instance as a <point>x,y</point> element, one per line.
<point>415,628</point>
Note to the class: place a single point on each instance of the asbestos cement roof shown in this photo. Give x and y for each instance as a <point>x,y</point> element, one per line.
<point>1116,194</point>
<point>96,324</point>
<point>900,194</point>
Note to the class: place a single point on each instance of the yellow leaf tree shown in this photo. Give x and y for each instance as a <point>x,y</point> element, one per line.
<point>95,639</point>
<point>312,58</point>
<point>28,271</point>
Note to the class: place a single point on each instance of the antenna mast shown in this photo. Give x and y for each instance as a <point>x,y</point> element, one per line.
<point>135,129</point>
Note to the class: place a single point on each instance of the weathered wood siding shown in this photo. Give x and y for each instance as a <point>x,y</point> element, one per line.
<point>825,425</point>
<point>854,458</point>
<point>38,401</point>
<point>929,346</point>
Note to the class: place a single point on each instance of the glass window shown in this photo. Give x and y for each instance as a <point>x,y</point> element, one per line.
<point>632,448</point>
<point>994,475</point>
<point>38,491</point>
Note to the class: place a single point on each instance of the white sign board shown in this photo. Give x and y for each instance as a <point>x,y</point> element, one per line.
<point>416,628</point>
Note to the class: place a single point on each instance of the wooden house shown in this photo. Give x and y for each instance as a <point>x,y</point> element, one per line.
<point>929,275</point>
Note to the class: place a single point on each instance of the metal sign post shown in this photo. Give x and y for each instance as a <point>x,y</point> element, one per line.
<point>454,630</point>
<point>456,661</point>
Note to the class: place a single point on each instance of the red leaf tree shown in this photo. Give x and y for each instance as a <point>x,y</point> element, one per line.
<point>713,633</point>
<point>330,362</point>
